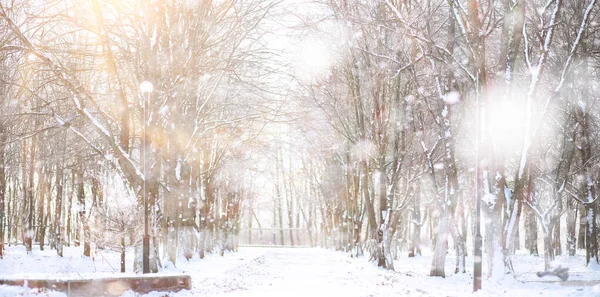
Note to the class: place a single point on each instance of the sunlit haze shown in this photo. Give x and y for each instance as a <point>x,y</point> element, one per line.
<point>299,148</point>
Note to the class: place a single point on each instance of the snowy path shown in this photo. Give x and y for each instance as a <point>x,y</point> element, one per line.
<point>306,272</point>
<point>318,272</point>
<point>300,272</point>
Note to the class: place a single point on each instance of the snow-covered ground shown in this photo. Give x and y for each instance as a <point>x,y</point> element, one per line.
<point>300,272</point>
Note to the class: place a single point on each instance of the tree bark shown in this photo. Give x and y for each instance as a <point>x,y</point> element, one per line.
<point>531,232</point>
<point>548,250</point>
<point>69,211</point>
<point>29,233</point>
<point>58,217</point>
<point>3,182</point>
<point>581,237</point>
<point>571,216</point>
<point>415,245</point>
<point>123,249</point>
<point>81,211</point>
<point>44,192</point>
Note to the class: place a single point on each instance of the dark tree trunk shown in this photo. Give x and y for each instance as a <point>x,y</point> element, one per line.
<point>585,147</point>
<point>58,220</point>
<point>69,211</point>
<point>571,224</point>
<point>29,233</point>
<point>290,217</point>
<point>440,246</point>
<point>556,247</point>
<point>548,250</point>
<point>123,247</point>
<point>591,235</point>
<point>582,227</point>
<point>23,206</point>
<point>278,198</point>
<point>415,245</point>
<point>12,207</point>
<point>3,183</point>
<point>83,222</point>
<point>44,191</point>
<point>531,232</point>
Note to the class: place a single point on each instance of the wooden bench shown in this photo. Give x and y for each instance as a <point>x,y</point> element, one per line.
<point>107,286</point>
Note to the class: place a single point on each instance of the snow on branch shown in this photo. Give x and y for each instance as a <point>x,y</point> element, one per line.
<point>89,143</point>
<point>535,71</point>
<point>12,47</point>
<point>413,34</point>
<point>547,217</point>
<point>422,221</point>
<point>464,26</point>
<point>132,172</point>
<point>574,47</point>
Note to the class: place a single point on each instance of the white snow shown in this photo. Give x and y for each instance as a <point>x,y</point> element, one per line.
<point>96,122</point>
<point>59,120</point>
<point>523,161</point>
<point>146,87</point>
<point>278,272</point>
<point>582,26</point>
<point>451,98</point>
<point>581,105</point>
<point>178,170</point>
<point>445,111</point>
<point>489,199</point>
<point>319,272</point>
<point>17,264</point>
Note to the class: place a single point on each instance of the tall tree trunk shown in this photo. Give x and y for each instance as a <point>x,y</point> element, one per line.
<point>493,223</point>
<point>581,238</point>
<point>250,217</point>
<point>209,198</point>
<point>21,219</point>
<point>69,210</point>
<point>591,234</point>
<point>385,217</point>
<point>13,221</point>
<point>461,243</point>
<point>446,83</point>
<point>548,249</point>
<point>10,220</point>
<point>415,244</point>
<point>460,248</point>
<point>571,216</point>
<point>81,210</point>
<point>274,225</point>
<point>123,249</point>
<point>441,246</point>
<point>278,198</point>
<point>42,196</point>
<point>531,232</point>
<point>371,221</point>
<point>58,218</point>
<point>3,183</point>
<point>556,246</point>
<point>288,188</point>
<point>589,184</point>
<point>29,233</point>
<point>514,17</point>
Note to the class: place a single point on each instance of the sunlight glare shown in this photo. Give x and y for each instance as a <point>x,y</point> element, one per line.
<point>31,57</point>
<point>506,123</point>
<point>146,87</point>
<point>315,58</point>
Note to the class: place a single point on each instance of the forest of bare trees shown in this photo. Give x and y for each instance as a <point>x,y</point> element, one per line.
<point>409,111</point>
